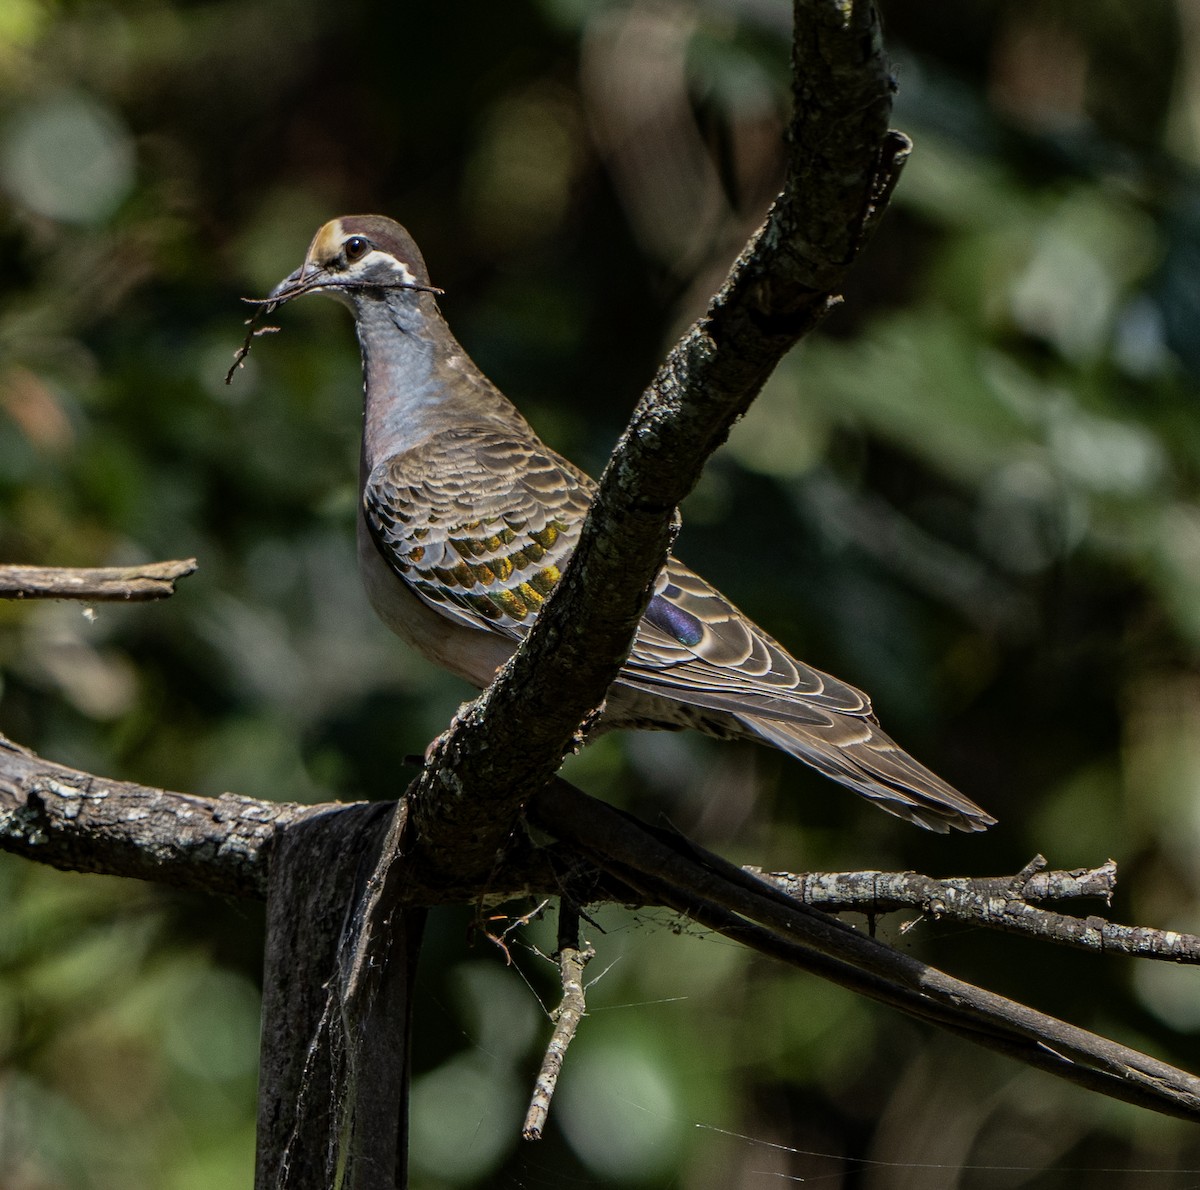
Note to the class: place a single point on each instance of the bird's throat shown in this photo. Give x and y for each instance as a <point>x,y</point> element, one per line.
<point>404,344</point>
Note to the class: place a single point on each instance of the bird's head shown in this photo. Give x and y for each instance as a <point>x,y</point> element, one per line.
<point>353,254</point>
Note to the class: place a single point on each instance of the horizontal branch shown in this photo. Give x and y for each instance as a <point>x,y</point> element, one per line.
<point>885,892</point>
<point>80,822</point>
<point>99,584</point>
<point>70,819</point>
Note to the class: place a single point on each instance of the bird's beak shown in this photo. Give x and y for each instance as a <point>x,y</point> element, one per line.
<point>305,279</point>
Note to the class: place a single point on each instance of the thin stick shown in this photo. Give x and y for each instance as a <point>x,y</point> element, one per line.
<point>151,580</point>
<point>572,959</point>
<point>252,332</point>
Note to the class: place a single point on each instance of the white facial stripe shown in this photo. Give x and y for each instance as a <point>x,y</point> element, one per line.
<point>398,267</point>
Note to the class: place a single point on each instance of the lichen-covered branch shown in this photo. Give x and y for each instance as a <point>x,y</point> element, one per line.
<point>81,822</point>
<point>998,902</point>
<point>78,821</point>
<point>885,892</point>
<point>74,820</point>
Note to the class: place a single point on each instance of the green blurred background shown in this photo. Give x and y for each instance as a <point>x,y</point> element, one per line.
<point>976,493</point>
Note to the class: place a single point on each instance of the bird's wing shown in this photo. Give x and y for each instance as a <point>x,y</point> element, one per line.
<point>479,523</point>
<point>692,638</point>
<point>695,647</point>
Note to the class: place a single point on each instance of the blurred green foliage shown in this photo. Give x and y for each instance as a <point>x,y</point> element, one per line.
<point>976,493</point>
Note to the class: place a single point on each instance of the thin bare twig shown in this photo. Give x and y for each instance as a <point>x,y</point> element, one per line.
<point>253,331</point>
<point>94,584</point>
<point>572,959</point>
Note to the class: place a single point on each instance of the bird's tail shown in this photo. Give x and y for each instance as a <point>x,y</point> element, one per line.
<point>857,753</point>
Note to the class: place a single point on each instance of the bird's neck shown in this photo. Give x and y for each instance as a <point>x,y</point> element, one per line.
<point>416,378</point>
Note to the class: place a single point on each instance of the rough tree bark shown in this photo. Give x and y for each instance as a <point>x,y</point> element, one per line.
<point>347,886</point>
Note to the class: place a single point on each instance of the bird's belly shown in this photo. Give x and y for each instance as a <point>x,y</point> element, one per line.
<point>470,653</point>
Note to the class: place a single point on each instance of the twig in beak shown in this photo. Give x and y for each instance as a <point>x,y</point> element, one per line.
<point>252,333</point>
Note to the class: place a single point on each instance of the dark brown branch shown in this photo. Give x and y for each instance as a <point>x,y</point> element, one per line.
<point>572,960</point>
<point>842,164</point>
<point>151,580</point>
<point>315,873</point>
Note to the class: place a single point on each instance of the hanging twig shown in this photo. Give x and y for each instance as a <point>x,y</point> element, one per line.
<point>572,959</point>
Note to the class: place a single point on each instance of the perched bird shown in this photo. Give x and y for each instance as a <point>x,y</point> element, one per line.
<point>467,520</point>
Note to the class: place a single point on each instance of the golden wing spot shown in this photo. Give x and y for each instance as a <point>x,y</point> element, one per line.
<point>483,574</point>
<point>416,553</point>
<point>531,597</point>
<point>534,552</point>
<point>546,537</point>
<point>543,582</point>
<point>503,567</point>
<point>511,603</point>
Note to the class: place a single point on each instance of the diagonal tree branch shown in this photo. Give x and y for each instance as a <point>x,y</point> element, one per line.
<point>842,164</point>
<point>463,811</point>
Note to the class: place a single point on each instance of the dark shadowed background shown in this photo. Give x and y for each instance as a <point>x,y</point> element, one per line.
<point>976,493</point>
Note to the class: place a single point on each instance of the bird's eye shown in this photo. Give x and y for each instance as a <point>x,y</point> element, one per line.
<point>356,248</point>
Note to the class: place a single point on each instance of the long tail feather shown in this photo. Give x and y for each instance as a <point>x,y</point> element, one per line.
<point>857,753</point>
